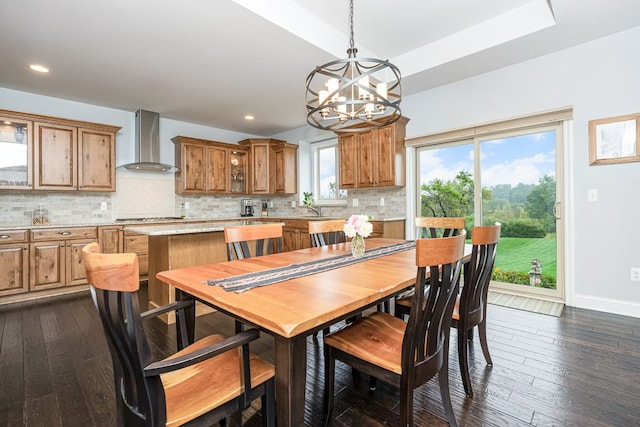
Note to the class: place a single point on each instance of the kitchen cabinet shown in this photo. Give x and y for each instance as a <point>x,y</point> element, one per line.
<point>295,232</point>
<point>138,244</point>
<point>14,262</point>
<point>273,167</point>
<point>56,257</point>
<point>374,158</point>
<point>51,153</point>
<point>70,158</point>
<point>295,235</point>
<point>111,239</point>
<point>16,146</point>
<point>96,160</point>
<point>209,166</point>
<point>284,173</point>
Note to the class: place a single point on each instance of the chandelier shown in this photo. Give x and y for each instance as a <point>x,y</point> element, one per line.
<point>353,94</point>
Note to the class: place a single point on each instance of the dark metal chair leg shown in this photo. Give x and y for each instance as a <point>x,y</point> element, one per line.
<point>463,359</point>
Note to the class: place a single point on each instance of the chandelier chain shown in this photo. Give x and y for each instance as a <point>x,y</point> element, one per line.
<point>351,39</point>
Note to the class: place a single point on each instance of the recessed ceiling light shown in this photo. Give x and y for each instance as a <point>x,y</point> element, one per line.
<point>248,117</point>
<point>39,68</point>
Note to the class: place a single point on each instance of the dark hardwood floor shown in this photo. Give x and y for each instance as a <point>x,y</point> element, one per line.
<point>582,369</point>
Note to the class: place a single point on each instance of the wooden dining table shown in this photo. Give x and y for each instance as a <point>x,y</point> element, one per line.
<point>292,310</point>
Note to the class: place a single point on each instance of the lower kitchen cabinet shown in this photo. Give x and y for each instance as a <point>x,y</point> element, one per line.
<point>138,244</point>
<point>14,262</point>
<point>56,257</point>
<point>110,239</point>
<point>295,235</point>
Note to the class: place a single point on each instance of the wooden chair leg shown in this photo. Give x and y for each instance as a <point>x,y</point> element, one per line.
<point>482,333</point>
<point>463,359</point>
<point>329,378</point>
<point>443,379</point>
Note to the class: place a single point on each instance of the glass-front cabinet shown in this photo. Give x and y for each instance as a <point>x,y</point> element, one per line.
<point>16,142</point>
<point>238,170</point>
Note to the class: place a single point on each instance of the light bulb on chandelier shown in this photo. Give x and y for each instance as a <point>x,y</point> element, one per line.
<point>353,95</point>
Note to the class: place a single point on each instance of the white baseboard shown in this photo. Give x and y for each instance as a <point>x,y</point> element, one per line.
<point>614,306</point>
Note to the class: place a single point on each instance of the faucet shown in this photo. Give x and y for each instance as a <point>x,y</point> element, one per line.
<point>317,210</point>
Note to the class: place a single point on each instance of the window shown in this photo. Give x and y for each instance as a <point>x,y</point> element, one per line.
<point>325,174</point>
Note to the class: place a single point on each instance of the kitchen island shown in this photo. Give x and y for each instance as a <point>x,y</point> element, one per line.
<point>173,246</point>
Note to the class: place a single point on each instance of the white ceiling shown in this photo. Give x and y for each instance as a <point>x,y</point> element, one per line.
<point>213,62</point>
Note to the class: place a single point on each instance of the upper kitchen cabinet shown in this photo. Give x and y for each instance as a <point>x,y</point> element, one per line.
<point>273,167</point>
<point>16,146</point>
<point>209,166</point>
<point>67,154</point>
<point>374,158</point>
<point>284,168</point>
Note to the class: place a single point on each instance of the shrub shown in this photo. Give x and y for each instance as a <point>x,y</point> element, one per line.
<point>523,228</point>
<point>519,278</point>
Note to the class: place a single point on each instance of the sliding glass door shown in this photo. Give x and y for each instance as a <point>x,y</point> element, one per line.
<point>513,178</point>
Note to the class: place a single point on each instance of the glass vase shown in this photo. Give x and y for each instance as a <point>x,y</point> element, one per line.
<point>357,246</point>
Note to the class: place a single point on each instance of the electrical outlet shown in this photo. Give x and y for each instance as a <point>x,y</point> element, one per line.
<point>381,201</point>
<point>103,206</point>
<point>592,195</point>
<point>186,205</point>
<point>354,202</point>
<point>635,274</point>
<point>293,203</point>
<point>270,204</point>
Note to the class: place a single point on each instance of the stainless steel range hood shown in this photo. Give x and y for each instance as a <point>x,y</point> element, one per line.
<point>147,144</point>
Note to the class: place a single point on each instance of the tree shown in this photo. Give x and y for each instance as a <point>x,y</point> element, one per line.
<point>540,202</point>
<point>448,198</point>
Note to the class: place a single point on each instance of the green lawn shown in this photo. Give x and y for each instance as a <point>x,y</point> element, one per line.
<point>515,254</point>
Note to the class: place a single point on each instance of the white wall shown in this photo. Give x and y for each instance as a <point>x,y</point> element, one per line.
<point>599,79</point>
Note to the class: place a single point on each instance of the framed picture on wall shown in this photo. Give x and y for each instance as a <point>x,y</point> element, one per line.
<point>614,140</point>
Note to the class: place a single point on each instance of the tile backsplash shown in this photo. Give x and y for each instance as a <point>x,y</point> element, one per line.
<point>151,194</point>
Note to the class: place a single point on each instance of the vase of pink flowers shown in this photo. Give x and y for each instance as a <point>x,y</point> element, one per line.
<point>357,228</point>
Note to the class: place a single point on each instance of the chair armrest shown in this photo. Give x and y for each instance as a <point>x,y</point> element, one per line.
<point>166,308</point>
<point>197,356</point>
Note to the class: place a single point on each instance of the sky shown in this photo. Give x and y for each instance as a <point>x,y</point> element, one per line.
<point>520,159</point>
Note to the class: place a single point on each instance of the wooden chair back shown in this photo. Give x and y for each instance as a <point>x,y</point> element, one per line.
<point>328,232</point>
<point>477,274</point>
<point>425,345</point>
<point>439,226</point>
<point>267,238</point>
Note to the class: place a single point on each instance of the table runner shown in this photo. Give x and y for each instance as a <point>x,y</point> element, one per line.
<point>244,282</point>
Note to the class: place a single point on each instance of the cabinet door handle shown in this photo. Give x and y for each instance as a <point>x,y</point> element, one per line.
<point>25,248</point>
<point>4,236</point>
<point>64,233</point>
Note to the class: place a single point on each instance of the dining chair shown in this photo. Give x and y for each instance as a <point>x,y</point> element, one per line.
<point>406,355</point>
<point>428,227</point>
<point>322,233</point>
<point>201,384</point>
<point>267,238</point>
<point>471,304</point>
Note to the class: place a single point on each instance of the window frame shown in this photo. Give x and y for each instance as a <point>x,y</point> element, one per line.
<point>315,178</point>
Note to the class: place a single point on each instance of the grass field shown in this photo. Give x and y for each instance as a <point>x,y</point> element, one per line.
<point>515,254</point>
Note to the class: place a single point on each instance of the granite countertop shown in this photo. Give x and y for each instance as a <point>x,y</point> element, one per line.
<point>184,221</point>
<point>189,228</point>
